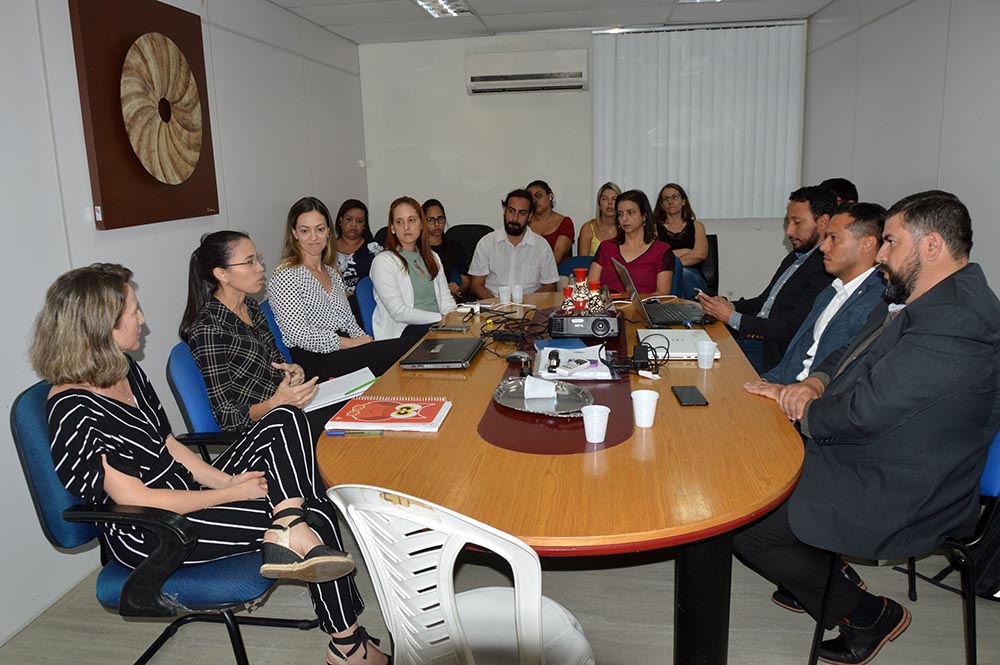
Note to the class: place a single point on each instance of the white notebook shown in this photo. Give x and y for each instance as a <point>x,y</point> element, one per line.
<point>341,388</point>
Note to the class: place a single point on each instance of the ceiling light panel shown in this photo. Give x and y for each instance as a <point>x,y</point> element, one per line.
<point>444,8</point>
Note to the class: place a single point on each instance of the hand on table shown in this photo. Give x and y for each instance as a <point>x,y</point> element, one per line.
<point>794,397</point>
<point>762,387</point>
<point>717,307</point>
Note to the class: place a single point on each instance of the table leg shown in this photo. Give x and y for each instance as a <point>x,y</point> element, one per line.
<point>702,578</point>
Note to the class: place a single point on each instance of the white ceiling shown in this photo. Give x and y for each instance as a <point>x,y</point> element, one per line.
<point>378,21</point>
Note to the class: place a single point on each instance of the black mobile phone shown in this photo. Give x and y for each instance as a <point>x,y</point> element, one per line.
<point>449,328</point>
<point>689,396</point>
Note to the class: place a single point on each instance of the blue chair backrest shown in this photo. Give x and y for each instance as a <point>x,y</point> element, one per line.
<point>570,263</point>
<point>989,482</point>
<point>365,293</point>
<point>189,389</point>
<point>275,330</point>
<point>30,427</point>
<point>677,285</point>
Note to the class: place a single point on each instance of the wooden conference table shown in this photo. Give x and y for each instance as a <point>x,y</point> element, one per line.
<point>685,483</point>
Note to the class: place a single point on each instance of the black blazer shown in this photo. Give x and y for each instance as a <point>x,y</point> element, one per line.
<point>900,437</point>
<point>790,308</point>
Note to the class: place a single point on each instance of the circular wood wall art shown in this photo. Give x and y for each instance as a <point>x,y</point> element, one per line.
<point>161,108</point>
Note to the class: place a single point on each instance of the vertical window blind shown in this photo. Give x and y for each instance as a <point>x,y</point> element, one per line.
<point>716,110</point>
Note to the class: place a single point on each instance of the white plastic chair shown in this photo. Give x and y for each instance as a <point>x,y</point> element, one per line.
<point>410,547</point>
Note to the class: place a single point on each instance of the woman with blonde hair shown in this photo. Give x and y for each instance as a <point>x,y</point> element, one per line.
<point>111,443</point>
<point>310,304</point>
<point>411,289</point>
<point>604,225</point>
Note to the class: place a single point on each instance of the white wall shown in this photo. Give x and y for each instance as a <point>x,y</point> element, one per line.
<point>902,96</point>
<point>285,104</point>
<point>424,136</point>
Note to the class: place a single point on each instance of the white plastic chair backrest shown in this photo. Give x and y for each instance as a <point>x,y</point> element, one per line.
<point>410,547</point>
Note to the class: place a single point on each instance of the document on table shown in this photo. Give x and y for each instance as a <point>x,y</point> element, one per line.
<point>342,388</point>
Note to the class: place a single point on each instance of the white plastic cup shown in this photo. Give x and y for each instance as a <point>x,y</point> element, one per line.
<point>706,354</point>
<point>504,295</point>
<point>595,422</point>
<point>517,293</point>
<point>644,407</point>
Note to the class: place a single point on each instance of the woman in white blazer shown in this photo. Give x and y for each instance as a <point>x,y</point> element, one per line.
<point>411,289</point>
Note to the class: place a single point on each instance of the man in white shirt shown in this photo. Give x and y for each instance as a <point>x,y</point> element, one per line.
<point>853,238</point>
<point>515,256</point>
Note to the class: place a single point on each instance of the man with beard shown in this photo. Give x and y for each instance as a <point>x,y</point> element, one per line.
<point>897,424</point>
<point>515,256</point>
<point>768,322</point>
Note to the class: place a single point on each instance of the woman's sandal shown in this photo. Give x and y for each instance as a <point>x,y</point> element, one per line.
<point>320,564</point>
<point>359,639</point>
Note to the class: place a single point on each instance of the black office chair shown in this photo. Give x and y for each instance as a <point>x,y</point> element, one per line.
<point>467,236</point>
<point>710,266</point>
<point>958,554</point>
<point>381,234</point>
<point>160,586</point>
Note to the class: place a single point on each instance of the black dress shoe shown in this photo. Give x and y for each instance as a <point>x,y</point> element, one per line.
<point>784,597</point>
<point>857,646</point>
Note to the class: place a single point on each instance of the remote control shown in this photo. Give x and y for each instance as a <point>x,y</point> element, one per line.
<point>572,367</point>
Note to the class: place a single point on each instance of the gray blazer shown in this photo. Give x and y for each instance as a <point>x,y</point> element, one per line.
<point>898,441</point>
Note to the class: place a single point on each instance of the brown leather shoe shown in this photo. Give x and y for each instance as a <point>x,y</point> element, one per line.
<point>856,645</point>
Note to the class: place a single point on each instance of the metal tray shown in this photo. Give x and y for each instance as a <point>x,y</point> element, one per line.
<point>567,403</point>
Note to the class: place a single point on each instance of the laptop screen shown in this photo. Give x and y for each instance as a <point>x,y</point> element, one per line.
<point>633,294</point>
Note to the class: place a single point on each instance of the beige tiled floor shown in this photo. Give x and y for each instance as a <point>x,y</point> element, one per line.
<point>624,604</point>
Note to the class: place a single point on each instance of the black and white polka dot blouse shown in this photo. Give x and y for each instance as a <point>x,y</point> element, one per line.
<point>309,317</point>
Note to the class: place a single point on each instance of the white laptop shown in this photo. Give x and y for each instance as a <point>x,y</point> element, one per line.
<point>681,343</point>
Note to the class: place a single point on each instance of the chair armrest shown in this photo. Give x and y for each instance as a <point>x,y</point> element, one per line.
<point>142,593</point>
<point>201,441</point>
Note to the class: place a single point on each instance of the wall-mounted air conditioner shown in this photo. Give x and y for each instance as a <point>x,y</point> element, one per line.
<point>526,71</point>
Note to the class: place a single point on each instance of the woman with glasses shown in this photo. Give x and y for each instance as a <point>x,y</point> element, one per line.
<point>604,225</point>
<point>411,291</point>
<point>310,304</point>
<point>649,261</point>
<point>557,229</point>
<point>356,247</point>
<point>676,225</point>
<point>112,444</point>
<point>453,258</point>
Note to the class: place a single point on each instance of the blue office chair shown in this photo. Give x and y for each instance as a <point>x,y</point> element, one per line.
<point>188,386</point>
<point>569,264</point>
<point>365,293</point>
<point>158,587</point>
<point>275,330</point>
<point>959,555</point>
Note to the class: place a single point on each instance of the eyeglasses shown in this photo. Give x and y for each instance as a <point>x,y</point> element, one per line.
<point>437,220</point>
<point>671,197</point>
<point>251,262</point>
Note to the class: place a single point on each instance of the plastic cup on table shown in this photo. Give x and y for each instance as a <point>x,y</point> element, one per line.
<point>644,407</point>
<point>517,293</point>
<point>504,295</point>
<point>595,422</point>
<point>706,354</point>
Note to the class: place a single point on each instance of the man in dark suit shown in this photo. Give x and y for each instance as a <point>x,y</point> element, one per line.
<point>853,238</point>
<point>898,425</point>
<point>766,323</point>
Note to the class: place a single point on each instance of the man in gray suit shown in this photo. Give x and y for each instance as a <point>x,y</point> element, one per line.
<point>898,425</point>
<point>853,238</point>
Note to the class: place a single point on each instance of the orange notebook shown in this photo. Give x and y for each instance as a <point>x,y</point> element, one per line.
<point>397,414</point>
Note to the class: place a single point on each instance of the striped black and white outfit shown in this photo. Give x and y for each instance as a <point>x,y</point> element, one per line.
<point>85,426</point>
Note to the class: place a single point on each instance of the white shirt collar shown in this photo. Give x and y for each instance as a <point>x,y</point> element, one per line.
<point>851,286</point>
<point>527,239</point>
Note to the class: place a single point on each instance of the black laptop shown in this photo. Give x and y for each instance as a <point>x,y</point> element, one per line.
<point>442,353</point>
<point>659,314</point>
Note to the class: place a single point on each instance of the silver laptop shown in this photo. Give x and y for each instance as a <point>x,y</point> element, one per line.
<point>674,343</point>
<point>442,353</point>
<point>659,314</point>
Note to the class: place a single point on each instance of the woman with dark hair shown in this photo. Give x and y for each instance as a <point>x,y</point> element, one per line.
<point>111,443</point>
<point>356,247</point>
<point>411,291</point>
<point>676,225</point>
<point>310,304</point>
<point>604,225</point>
<point>557,229</point>
<point>453,258</point>
<point>649,261</point>
<point>244,372</point>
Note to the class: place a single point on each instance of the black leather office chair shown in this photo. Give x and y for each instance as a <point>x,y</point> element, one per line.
<point>467,236</point>
<point>710,266</point>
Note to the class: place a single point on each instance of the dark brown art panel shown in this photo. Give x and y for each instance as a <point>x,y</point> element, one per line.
<point>144,96</point>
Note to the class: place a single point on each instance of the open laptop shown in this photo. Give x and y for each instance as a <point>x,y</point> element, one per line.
<point>659,314</point>
<point>674,343</point>
<point>442,353</point>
